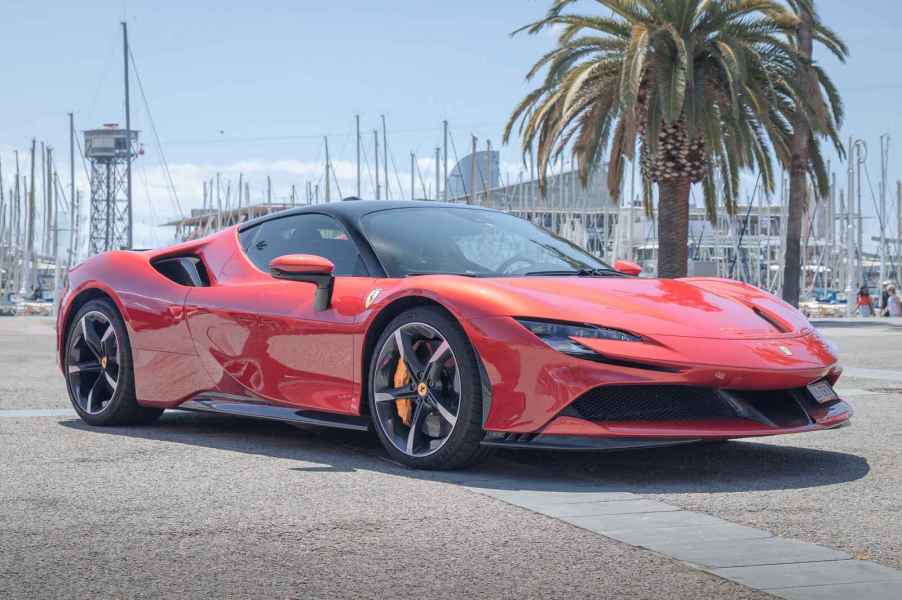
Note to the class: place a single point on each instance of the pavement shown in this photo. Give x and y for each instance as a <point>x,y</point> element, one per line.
<point>207,506</point>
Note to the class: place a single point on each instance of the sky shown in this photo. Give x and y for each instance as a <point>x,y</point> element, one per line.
<point>252,87</point>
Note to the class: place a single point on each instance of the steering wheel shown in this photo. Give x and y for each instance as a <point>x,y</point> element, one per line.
<point>506,265</point>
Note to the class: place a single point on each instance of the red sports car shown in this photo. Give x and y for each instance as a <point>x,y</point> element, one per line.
<point>447,329</point>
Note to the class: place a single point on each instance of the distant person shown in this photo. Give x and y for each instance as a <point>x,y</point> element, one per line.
<point>893,306</point>
<point>884,295</point>
<point>865,304</point>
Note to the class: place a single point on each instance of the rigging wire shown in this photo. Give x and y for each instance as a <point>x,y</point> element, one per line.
<point>153,212</point>
<point>422,182</point>
<point>81,230</point>
<point>457,163</point>
<point>397,177</point>
<point>369,169</point>
<point>745,223</point>
<point>84,164</point>
<point>335,179</point>
<point>349,136</point>
<point>174,194</point>
<point>880,216</point>
<point>61,204</point>
<point>103,74</point>
<point>347,140</point>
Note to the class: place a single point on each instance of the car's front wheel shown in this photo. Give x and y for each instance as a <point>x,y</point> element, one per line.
<point>98,364</point>
<point>425,396</point>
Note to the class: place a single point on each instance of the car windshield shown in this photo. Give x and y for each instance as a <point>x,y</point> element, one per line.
<point>473,242</point>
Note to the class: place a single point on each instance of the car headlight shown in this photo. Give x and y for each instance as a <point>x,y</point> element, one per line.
<point>559,335</point>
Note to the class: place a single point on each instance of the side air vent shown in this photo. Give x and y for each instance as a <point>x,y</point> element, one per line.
<point>183,270</point>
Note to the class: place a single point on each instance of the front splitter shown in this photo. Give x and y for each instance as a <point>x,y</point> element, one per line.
<point>577,443</point>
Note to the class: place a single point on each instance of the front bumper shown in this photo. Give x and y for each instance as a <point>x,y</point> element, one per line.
<point>827,417</point>
<point>532,389</point>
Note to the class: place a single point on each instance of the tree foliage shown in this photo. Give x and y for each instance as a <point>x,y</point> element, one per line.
<point>708,87</point>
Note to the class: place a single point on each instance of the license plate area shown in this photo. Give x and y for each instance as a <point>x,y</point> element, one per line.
<point>822,392</point>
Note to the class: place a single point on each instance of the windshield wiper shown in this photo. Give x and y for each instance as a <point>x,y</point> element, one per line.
<point>603,272</point>
<point>577,273</point>
<point>550,274</point>
<point>418,273</point>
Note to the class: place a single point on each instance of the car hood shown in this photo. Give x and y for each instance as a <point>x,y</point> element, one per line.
<point>692,307</point>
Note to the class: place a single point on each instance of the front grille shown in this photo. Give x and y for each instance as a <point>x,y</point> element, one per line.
<point>651,403</point>
<point>775,408</point>
<point>783,408</point>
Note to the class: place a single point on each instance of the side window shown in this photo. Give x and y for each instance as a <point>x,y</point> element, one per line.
<point>303,234</point>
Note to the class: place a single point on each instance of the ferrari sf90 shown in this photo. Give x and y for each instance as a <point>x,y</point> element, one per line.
<point>446,329</point>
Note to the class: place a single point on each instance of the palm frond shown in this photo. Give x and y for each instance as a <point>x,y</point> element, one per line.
<point>716,77</point>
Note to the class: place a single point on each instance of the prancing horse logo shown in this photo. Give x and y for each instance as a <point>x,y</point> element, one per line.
<point>371,297</point>
<point>785,350</point>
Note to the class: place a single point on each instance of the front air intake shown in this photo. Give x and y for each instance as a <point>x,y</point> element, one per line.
<point>774,408</point>
<point>651,403</point>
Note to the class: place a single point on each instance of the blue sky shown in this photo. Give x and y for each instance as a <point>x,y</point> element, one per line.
<point>252,87</point>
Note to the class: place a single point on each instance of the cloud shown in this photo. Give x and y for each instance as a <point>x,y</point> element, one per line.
<point>160,197</point>
<point>155,203</point>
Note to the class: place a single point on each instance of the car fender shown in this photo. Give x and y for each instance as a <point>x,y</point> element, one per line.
<point>394,301</point>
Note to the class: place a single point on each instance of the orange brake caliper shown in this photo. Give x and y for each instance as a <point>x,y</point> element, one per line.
<point>404,407</point>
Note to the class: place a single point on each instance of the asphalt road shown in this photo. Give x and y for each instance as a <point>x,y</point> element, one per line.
<point>207,506</point>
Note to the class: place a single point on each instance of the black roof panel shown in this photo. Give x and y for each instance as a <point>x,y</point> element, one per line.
<point>354,209</point>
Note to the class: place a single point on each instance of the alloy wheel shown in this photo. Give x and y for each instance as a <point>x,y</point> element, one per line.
<point>416,387</point>
<point>93,362</point>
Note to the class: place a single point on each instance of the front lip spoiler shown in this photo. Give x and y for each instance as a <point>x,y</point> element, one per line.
<point>577,443</point>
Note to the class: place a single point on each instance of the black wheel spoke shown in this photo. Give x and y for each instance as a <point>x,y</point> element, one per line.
<point>108,342</point>
<point>88,366</point>
<point>91,339</point>
<point>408,354</point>
<point>434,365</point>
<point>416,426</point>
<point>110,381</point>
<point>442,410</point>
<point>94,399</point>
<point>392,394</point>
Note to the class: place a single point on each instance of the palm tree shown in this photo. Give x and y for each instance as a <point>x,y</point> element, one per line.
<point>708,88</point>
<point>824,117</point>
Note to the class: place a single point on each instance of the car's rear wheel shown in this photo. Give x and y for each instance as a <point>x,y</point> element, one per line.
<point>425,396</point>
<point>99,374</point>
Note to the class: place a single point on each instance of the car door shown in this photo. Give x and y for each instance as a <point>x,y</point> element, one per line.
<point>262,337</point>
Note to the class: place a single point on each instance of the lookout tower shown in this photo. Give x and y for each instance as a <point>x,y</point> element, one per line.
<point>110,150</point>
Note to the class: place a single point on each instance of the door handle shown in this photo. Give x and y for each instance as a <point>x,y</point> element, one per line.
<point>177,312</point>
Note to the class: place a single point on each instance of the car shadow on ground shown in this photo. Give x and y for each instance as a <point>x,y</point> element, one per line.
<point>731,467</point>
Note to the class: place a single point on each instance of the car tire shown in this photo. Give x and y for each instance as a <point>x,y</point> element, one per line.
<point>462,446</point>
<point>100,381</point>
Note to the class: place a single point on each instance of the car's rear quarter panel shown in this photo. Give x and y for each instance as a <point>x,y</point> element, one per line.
<point>165,361</point>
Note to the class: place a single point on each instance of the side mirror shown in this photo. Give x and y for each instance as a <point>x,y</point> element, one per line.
<point>627,267</point>
<point>307,268</point>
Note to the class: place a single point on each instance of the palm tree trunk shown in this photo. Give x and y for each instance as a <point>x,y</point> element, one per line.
<point>673,227</point>
<point>792,265</point>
